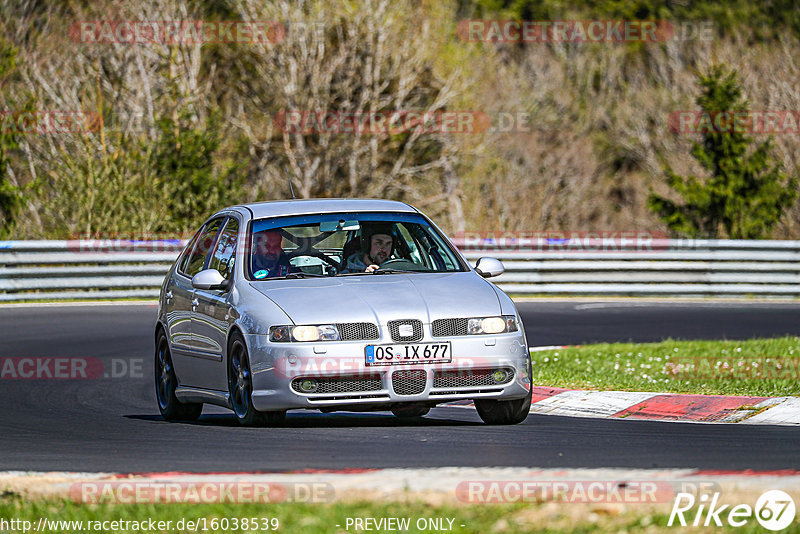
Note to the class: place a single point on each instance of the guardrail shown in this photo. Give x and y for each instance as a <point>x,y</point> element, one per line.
<point>85,269</point>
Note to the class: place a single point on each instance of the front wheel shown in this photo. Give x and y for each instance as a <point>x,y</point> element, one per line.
<point>499,412</point>
<point>240,388</point>
<point>166,381</point>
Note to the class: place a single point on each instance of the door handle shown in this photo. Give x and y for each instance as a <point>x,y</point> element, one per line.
<point>195,302</point>
<point>168,295</point>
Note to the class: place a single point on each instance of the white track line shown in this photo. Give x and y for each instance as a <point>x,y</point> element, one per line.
<point>589,403</point>
<point>785,412</point>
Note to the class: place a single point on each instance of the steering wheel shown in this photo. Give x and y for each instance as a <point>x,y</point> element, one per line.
<point>401,264</point>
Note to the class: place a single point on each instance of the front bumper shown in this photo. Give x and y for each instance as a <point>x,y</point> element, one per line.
<point>348,381</point>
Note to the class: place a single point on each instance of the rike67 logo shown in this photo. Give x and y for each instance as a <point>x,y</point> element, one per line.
<point>774,510</point>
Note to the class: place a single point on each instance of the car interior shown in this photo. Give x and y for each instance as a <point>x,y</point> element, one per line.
<point>323,252</point>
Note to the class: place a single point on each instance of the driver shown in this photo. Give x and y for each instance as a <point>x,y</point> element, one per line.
<point>376,247</point>
<point>269,259</point>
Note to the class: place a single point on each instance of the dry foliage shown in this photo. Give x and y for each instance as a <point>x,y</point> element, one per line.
<point>591,153</point>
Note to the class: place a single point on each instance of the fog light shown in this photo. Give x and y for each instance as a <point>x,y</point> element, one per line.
<point>308,385</point>
<point>500,376</point>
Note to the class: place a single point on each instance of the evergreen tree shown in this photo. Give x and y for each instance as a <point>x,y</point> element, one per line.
<point>746,192</point>
<point>199,178</point>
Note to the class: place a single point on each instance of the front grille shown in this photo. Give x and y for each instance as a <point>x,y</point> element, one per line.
<point>357,331</point>
<point>341,384</point>
<point>409,382</point>
<point>416,325</point>
<point>469,378</point>
<point>449,327</point>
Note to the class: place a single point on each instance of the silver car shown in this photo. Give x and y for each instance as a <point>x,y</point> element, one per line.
<point>354,305</point>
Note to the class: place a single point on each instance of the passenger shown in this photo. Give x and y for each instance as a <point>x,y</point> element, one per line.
<point>269,259</point>
<point>376,247</point>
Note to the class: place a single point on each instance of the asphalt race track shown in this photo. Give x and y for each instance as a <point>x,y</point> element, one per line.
<point>112,423</point>
<point>573,323</point>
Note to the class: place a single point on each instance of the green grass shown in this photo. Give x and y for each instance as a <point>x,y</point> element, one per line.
<point>324,518</point>
<point>761,367</point>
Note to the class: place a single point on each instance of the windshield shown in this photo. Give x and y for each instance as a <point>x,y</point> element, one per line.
<point>347,244</point>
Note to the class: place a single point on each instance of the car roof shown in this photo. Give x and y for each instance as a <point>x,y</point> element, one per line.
<point>278,208</point>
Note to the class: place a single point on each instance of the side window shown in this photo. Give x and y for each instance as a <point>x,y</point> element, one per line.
<point>187,252</point>
<point>202,247</point>
<point>225,251</point>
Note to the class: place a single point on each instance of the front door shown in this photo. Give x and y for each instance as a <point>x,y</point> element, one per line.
<point>212,313</point>
<point>184,355</point>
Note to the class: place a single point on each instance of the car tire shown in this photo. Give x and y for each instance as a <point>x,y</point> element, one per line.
<point>411,411</point>
<point>240,387</point>
<point>508,412</point>
<point>166,381</point>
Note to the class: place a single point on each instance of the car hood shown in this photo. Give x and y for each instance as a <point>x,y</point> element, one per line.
<point>382,298</point>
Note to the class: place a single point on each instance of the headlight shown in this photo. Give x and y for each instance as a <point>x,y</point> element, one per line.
<point>286,333</point>
<point>305,333</point>
<point>492,325</point>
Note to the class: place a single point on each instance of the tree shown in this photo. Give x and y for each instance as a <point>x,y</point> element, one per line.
<point>350,65</point>
<point>200,179</point>
<point>10,197</point>
<point>746,192</point>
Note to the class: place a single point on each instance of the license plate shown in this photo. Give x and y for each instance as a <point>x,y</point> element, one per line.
<point>408,353</point>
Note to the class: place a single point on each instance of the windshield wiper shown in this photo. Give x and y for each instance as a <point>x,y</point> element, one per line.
<point>377,271</point>
<point>382,271</point>
<point>390,271</point>
<point>303,275</point>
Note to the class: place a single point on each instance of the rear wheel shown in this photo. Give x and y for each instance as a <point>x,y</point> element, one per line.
<point>166,381</point>
<point>240,387</point>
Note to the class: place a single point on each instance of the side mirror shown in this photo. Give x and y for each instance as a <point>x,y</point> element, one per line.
<point>489,267</point>
<point>209,279</point>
